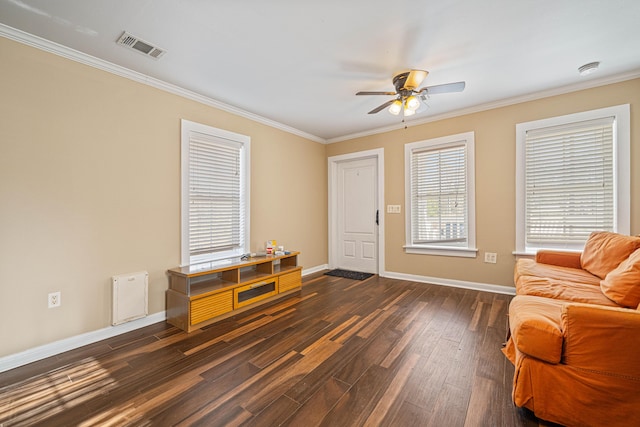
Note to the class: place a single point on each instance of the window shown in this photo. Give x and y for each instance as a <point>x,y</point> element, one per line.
<point>440,196</point>
<point>572,179</point>
<point>215,193</point>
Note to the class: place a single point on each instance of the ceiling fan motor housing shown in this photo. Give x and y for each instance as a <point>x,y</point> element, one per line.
<point>408,81</point>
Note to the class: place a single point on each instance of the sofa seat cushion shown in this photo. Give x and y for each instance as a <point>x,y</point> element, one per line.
<point>622,284</point>
<point>562,290</point>
<point>604,251</point>
<point>535,325</point>
<point>529,267</point>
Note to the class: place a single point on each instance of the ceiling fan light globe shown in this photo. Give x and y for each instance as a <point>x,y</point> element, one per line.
<point>412,103</point>
<point>396,107</point>
<point>409,112</point>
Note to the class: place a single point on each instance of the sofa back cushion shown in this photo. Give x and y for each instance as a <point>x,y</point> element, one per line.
<point>604,251</point>
<point>622,284</point>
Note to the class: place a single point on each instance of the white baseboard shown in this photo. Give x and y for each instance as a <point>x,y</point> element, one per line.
<point>38,353</point>
<point>307,271</point>
<point>486,287</point>
<point>42,352</point>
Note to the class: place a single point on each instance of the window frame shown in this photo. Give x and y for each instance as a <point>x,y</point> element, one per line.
<point>467,139</point>
<point>188,129</point>
<point>621,172</point>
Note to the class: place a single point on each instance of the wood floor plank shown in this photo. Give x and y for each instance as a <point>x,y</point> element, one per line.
<point>372,354</point>
<point>358,402</point>
<point>451,407</point>
<point>285,379</point>
<point>214,405</point>
<point>424,387</point>
<point>376,323</point>
<point>482,402</point>
<point>190,402</point>
<point>308,385</point>
<point>314,409</point>
<point>401,345</point>
<point>341,352</point>
<point>391,393</point>
<point>228,415</point>
<point>413,313</point>
<point>275,414</point>
<point>280,343</point>
<point>409,415</point>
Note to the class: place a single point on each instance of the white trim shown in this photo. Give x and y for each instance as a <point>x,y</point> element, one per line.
<point>42,352</point>
<point>333,161</point>
<point>316,269</point>
<point>468,140</point>
<point>442,251</point>
<point>74,55</point>
<point>484,287</point>
<point>621,159</point>
<point>189,128</point>
<point>583,85</point>
<point>92,61</point>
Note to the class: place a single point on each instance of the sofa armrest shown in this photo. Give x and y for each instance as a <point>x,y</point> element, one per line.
<point>559,258</point>
<point>604,339</point>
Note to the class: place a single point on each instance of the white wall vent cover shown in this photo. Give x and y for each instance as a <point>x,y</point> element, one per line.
<point>139,45</point>
<point>130,297</point>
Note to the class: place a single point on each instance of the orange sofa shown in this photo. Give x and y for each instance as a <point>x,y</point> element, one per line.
<point>575,333</point>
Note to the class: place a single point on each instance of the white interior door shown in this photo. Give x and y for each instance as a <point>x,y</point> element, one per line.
<point>356,215</point>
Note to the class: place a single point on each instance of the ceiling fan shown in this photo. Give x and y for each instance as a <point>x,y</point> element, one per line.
<point>407,92</point>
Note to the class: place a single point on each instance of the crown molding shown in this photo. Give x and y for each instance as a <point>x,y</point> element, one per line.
<point>496,104</point>
<point>83,58</point>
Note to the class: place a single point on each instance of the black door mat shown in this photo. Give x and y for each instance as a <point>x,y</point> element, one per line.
<point>355,275</point>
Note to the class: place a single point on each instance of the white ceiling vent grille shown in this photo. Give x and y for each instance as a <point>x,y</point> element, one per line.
<point>139,45</point>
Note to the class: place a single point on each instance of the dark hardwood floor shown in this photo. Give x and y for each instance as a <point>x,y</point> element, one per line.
<point>378,352</point>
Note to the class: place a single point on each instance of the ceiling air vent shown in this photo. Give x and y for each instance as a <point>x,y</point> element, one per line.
<point>135,43</point>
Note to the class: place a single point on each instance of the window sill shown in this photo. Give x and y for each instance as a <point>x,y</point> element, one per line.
<point>442,251</point>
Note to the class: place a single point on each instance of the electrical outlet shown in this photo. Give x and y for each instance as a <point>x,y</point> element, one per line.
<point>490,257</point>
<point>54,299</point>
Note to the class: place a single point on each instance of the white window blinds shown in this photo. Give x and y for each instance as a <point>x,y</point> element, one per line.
<point>215,202</point>
<point>215,193</point>
<point>569,182</point>
<point>439,196</point>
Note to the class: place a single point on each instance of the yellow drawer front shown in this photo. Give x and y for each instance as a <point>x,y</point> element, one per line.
<point>209,307</point>
<point>289,281</point>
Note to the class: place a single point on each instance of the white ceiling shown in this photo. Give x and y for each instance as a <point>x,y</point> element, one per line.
<point>299,63</point>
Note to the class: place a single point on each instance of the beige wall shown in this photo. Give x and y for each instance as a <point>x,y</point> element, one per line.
<point>90,188</point>
<point>495,178</point>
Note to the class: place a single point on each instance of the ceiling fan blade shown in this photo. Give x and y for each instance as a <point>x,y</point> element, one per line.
<point>414,79</point>
<point>375,93</point>
<point>381,107</point>
<point>445,88</point>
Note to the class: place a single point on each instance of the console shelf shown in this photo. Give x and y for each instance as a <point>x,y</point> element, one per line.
<point>202,294</point>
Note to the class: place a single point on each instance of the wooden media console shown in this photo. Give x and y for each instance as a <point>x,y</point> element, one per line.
<point>202,294</point>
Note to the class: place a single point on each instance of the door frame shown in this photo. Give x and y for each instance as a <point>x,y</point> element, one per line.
<point>333,162</point>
